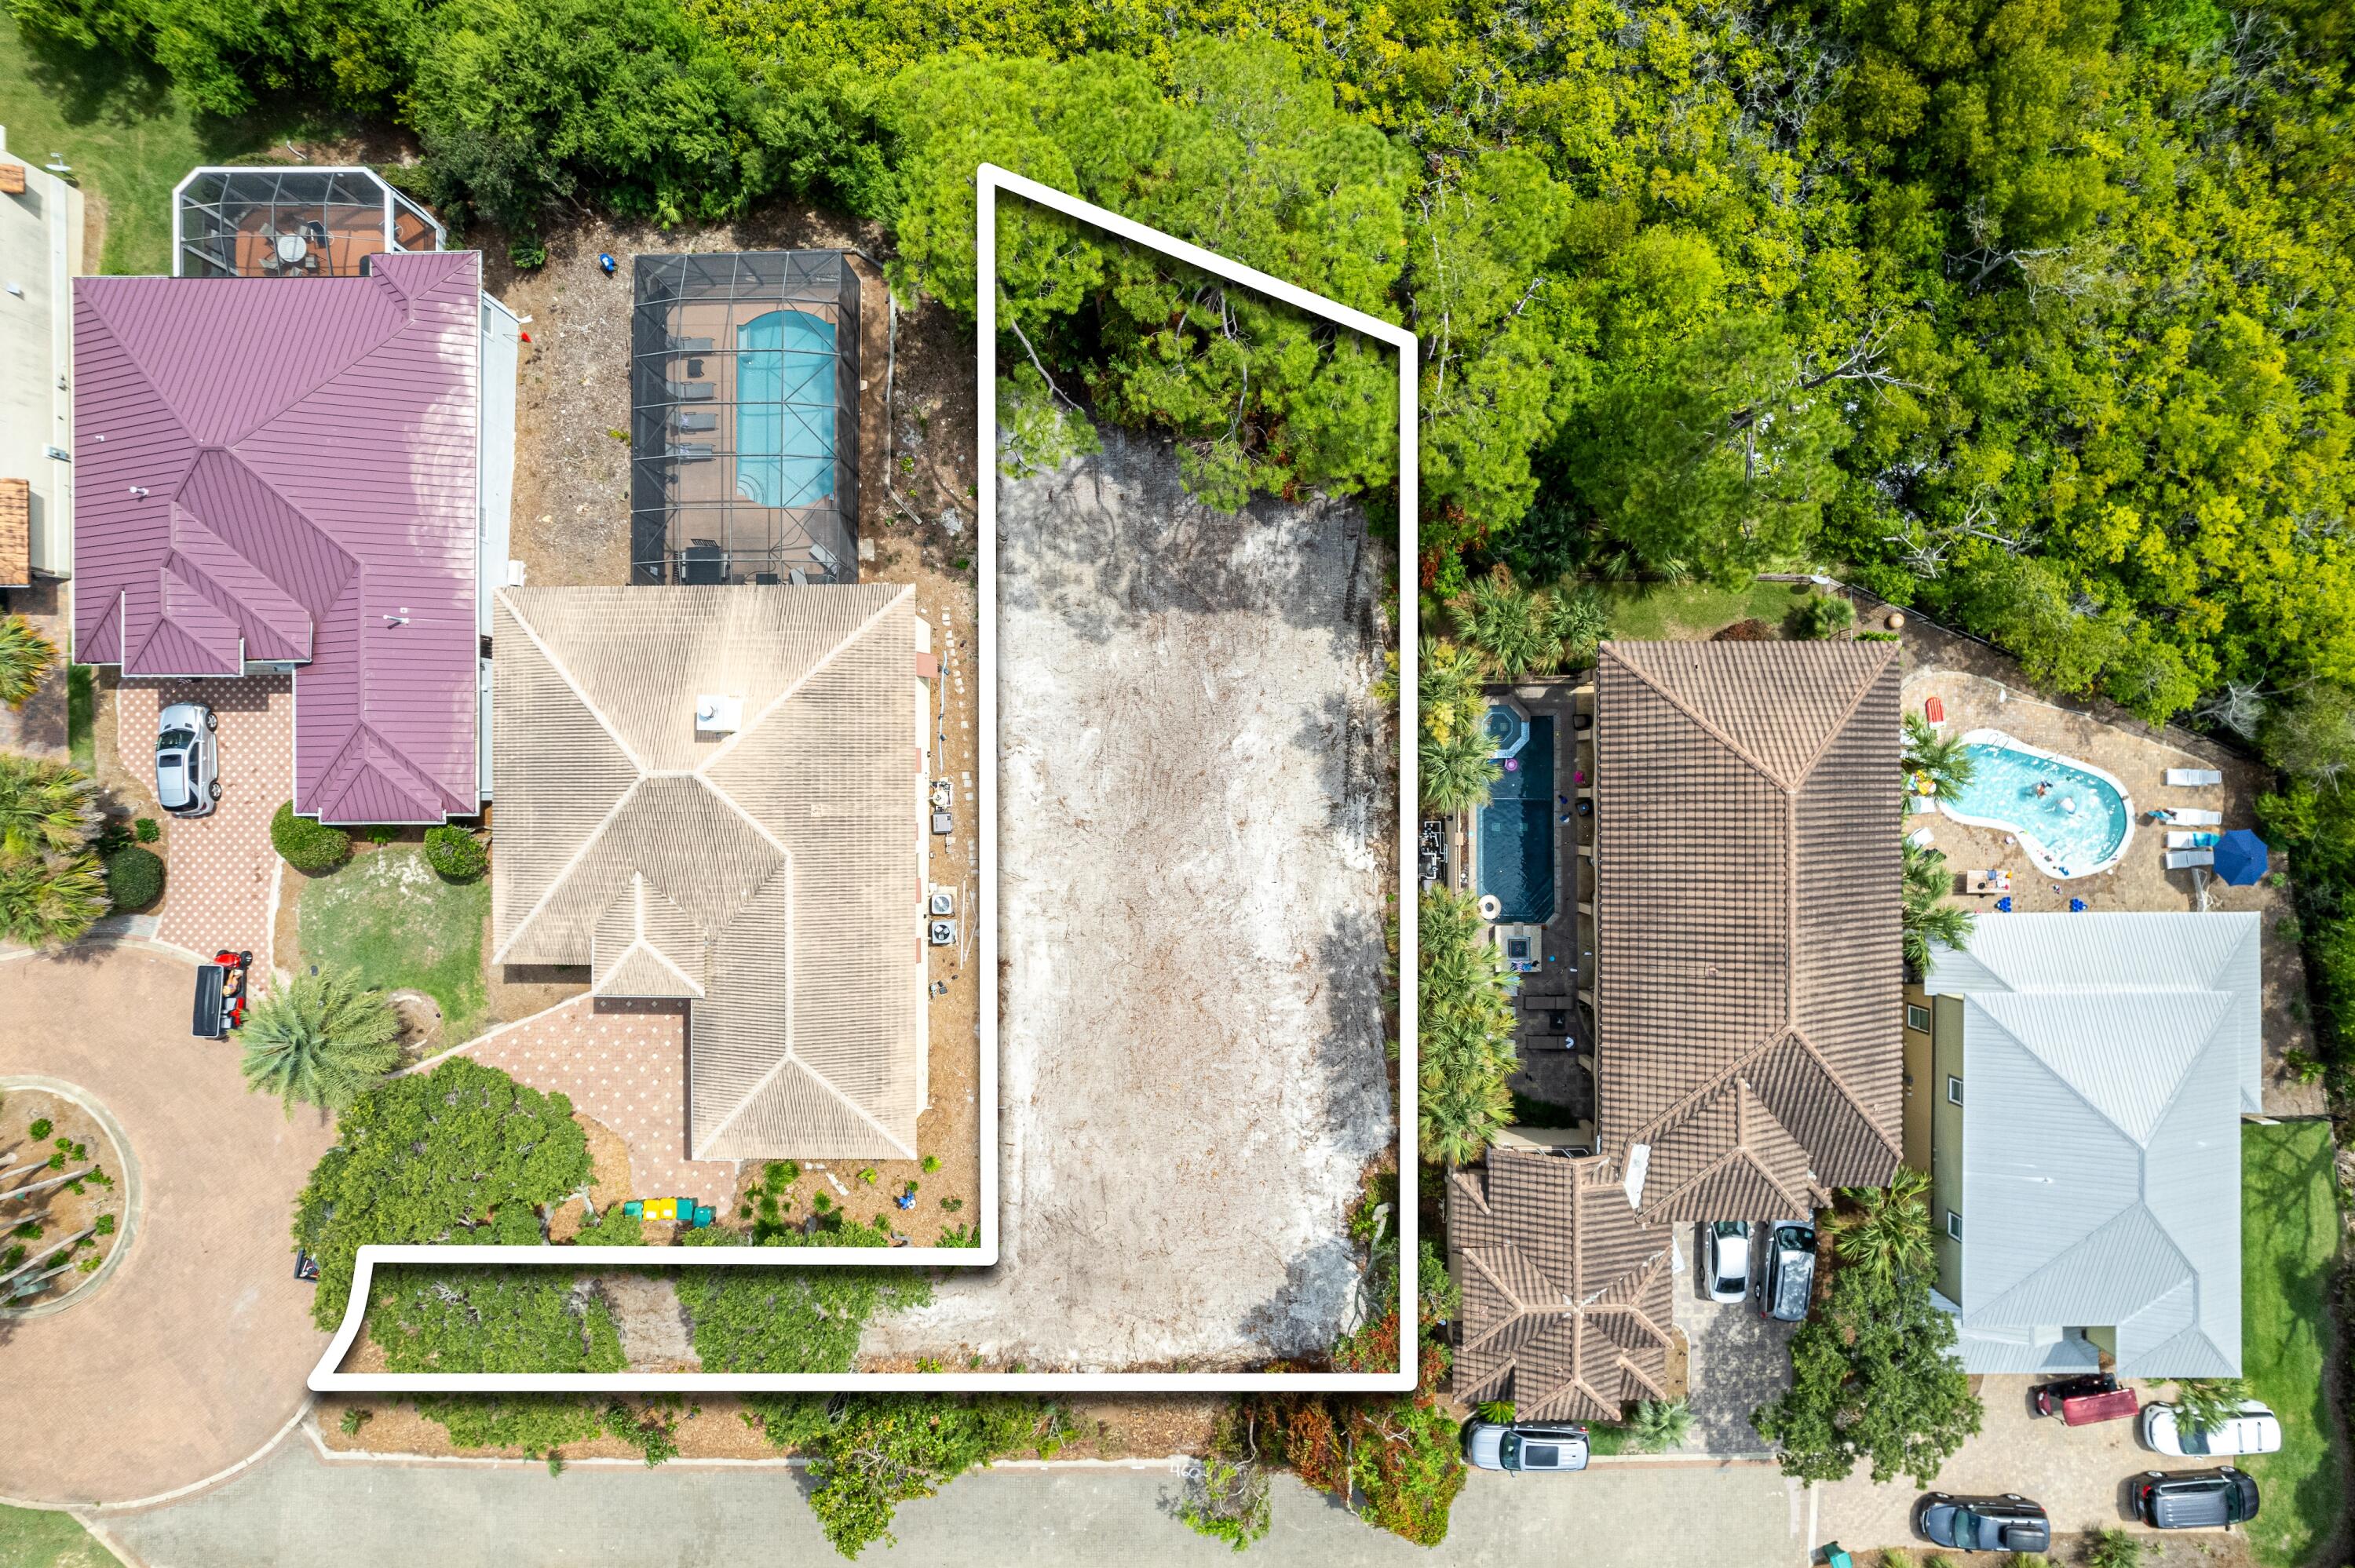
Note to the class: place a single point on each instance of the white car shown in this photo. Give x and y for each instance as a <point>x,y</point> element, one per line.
<point>188,759</point>
<point>1727,1259</point>
<point>2256,1430</point>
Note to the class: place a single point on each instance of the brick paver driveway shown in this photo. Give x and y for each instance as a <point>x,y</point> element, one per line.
<point>221,865</point>
<point>193,1354</point>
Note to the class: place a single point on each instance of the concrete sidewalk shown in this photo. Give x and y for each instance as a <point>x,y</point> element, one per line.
<point>296,1508</point>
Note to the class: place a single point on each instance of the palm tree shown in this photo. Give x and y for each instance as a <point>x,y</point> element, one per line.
<point>25,654</point>
<point>1659,1425</point>
<point>1455,774</point>
<point>1466,1034</point>
<point>1451,755</point>
<point>1943,760</point>
<point>1888,1232</point>
<point>2203,1403</point>
<point>1926,914</point>
<point>47,901</point>
<point>321,1040</point>
<point>47,808</point>
<point>1576,622</point>
<point>1506,622</point>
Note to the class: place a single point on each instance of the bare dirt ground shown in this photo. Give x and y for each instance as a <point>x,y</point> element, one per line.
<point>1192,887</point>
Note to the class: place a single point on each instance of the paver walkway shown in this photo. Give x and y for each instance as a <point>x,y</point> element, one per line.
<point>193,1353</point>
<point>622,1063</point>
<point>221,865</point>
<point>296,1509</point>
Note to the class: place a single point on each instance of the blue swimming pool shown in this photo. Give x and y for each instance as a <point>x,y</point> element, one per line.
<point>1516,827</point>
<point>785,409</point>
<point>2079,824</point>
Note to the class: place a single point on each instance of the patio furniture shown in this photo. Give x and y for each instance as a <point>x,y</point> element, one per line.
<point>2241,857</point>
<point>1934,711</point>
<point>703,562</point>
<point>690,391</point>
<point>1920,836</point>
<point>2184,816</point>
<point>2193,778</point>
<point>690,345</point>
<point>694,419</point>
<point>2191,840</point>
<point>2076,906</point>
<point>2179,860</point>
<point>291,249</point>
<point>2004,903</point>
<point>1979,884</point>
<point>688,451</point>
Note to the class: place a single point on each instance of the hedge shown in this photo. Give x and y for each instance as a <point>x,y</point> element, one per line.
<point>308,845</point>
<point>134,877</point>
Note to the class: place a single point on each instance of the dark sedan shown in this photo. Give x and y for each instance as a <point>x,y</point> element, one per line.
<point>2196,1500</point>
<point>2006,1523</point>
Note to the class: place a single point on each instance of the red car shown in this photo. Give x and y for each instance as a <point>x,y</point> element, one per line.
<point>2082,1401</point>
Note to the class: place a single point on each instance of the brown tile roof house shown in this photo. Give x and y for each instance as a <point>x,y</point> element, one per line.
<point>715,794</point>
<point>1567,1296</point>
<point>1749,977</point>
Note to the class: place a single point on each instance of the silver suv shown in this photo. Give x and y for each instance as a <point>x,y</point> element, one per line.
<point>188,759</point>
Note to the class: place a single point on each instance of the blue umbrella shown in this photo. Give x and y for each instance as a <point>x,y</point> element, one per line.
<point>2241,857</point>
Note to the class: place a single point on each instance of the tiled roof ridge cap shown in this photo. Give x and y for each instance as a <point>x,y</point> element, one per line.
<point>1805,770</point>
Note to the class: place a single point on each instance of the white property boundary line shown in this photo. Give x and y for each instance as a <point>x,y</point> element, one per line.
<point>989,180</point>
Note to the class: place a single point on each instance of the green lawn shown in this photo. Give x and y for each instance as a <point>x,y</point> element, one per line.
<point>2289,1238</point>
<point>389,919</point>
<point>35,1538</point>
<point>1654,612</point>
<point>123,132</point>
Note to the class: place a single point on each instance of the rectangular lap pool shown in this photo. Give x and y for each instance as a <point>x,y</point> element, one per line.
<point>1515,829</point>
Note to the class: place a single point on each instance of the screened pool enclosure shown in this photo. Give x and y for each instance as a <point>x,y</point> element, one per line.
<point>744,418</point>
<point>290,221</point>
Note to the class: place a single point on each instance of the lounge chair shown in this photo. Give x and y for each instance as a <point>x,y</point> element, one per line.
<point>689,391</point>
<point>2184,816</point>
<point>2177,860</point>
<point>689,452</point>
<point>690,345</point>
<point>2192,778</point>
<point>2192,841</point>
<point>692,419</point>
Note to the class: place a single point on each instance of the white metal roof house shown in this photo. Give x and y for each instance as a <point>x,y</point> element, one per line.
<point>2088,1073</point>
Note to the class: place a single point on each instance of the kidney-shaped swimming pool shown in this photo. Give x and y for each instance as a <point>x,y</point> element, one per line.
<point>2072,819</point>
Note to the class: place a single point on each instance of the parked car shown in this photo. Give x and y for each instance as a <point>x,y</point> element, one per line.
<point>1532,1445</point>
<point>2081,1400</point>
<point>2255,1430</point>
<point>188,759</point>
<point>1787,1277</point>
<point>2196,1500</point>
<point>1729,1259</point>
<point>2006,1523</point>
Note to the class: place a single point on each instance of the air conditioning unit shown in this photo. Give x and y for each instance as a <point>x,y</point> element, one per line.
<point>943,933</point>
<point>943,901</point>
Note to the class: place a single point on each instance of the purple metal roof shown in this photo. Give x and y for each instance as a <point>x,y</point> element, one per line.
<point>288,465</point>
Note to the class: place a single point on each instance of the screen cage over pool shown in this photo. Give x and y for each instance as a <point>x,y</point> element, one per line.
<point>744,418</point>
<point>290,221</point>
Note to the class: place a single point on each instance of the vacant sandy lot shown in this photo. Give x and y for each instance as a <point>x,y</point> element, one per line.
<point>1193,826</point>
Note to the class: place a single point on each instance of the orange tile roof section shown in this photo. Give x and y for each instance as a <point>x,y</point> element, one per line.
<point>1567,1298</point>
<point>1749,973</point>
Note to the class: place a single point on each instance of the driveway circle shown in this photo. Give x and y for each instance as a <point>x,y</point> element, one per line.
<point>116,1162</point>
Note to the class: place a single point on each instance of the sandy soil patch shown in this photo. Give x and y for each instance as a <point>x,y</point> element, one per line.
<point>1193,816</point>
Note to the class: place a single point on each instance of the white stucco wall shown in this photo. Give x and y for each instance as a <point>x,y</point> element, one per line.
<point>41,253</point>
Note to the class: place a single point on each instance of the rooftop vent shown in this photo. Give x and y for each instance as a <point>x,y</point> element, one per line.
<point>718,716</point>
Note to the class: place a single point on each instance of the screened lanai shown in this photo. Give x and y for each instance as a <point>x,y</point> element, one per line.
<point>291,222</point>
<point>744,418</point>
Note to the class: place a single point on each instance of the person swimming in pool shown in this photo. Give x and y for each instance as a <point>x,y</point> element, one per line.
<point>2043,788</point>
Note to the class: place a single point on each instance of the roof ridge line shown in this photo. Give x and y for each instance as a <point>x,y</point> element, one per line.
<point>1677,702</point>
<point>2139,1143</point>
<point>727,747</point>
<point>2124,1212</point>
<point>565,872</point>
<point>565,671</point>
<point>1839,1081</point>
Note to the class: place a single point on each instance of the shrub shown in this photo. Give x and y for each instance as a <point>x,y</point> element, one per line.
<point>1226,1499</point>
<point>456,853</point>
<point>2113,1547</point>
<point>1661,1426</point>
<point>25,656</point>
<point>1819,616</point>
<point>134,877</point>
<point>146,830</point>
<point>306,844</point>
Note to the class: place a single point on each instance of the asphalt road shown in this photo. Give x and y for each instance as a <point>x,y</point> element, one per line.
<point>296,1509</point>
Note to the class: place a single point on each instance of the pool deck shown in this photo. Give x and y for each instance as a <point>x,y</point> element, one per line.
<point>1981,689</point>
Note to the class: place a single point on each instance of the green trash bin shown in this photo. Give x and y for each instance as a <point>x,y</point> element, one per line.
<point>1836,1556</point>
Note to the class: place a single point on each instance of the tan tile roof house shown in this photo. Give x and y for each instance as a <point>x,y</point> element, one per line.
<point>1749,977</point>
<point>715,794</point>
<point>1567,1296</point>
